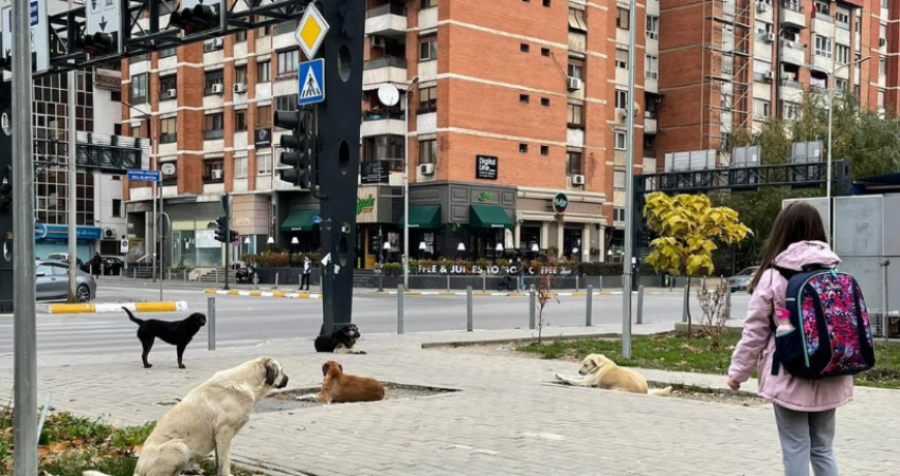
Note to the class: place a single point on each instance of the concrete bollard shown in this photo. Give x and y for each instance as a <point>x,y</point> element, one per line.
<point>640,305</point>
<point>400,296</point>
<point>728,301</point>
<point>532,320</point>
<point>470,320</point>
<point>448,282</point>
<point>589,312</point>
<point>276,280</point>
<point>600,283</point>
<point>484,282</point>
<point>381,281</point>
<point>577,283</point>
<point>211,322</point>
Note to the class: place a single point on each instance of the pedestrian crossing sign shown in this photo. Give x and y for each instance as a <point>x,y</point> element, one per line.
<point>312,82</point>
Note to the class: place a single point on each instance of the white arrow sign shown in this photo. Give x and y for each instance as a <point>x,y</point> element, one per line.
<point>104,16</point>
<point>40,33</point>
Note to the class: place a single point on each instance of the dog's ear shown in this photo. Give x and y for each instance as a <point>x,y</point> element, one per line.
<point>325,367</point>
<point>271,372</point>
<point>341,368</point>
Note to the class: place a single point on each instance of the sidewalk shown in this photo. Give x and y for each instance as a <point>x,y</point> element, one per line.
<point>504,421</point>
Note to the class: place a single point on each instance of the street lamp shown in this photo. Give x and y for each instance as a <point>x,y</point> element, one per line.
<point>409,89</point>
<point>830,108</point>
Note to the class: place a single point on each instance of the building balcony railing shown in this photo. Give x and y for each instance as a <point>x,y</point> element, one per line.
<point>386,20</point>
<point>214,134</point>
<point>383,115</point>
<point>387,69</point>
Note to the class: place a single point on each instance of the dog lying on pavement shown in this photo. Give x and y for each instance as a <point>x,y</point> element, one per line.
<point>339,387</point>
<point>179,333</point>
<point>599,371</point>
<point>207,420</point>
<point>341,341</point>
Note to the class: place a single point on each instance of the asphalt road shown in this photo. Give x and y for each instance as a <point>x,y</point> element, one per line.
<point>249,321</point>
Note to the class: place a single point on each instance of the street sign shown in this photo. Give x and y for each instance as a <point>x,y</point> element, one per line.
<point>40,230</point>
<point>104,16</point>
<point>40,33</point>
<point>312,82</point>
<point>144,176</point>
<point>123,246</point>
<point>311,31</point>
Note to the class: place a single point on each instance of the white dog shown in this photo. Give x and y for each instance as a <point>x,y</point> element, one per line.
<point>599,371</point>
<point>207,420</point>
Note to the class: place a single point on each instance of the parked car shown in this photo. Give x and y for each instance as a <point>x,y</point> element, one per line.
<point>742,280</point>
<point>112,266</point>
<point>64,258</point>
<point>52,282</point>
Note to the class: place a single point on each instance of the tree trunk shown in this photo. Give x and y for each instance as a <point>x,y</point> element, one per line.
<point>688,304</point>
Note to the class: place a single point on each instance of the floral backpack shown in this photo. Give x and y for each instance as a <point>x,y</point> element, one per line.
<point>828,333</point>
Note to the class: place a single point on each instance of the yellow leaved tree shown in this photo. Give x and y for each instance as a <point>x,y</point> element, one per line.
<point>688,227</point>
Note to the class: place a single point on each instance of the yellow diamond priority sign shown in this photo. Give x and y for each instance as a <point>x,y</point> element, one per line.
<point>311,31</point>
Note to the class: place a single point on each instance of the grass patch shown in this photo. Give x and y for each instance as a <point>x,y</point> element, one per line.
<point>69,445</point>
<point>681,354</point>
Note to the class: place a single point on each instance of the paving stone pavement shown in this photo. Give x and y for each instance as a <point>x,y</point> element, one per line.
<point>505,420</point>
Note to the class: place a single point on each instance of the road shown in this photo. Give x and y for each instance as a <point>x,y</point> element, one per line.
<point>249,321</point>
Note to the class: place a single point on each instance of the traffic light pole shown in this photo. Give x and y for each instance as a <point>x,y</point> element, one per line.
<point>226,204</point>
<point>72,157</point>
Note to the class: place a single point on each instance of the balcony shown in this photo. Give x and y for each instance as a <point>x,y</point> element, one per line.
<point>793,13</point>
<point>377,123</point>
<point>650,126</point>
<point>793,52</point>
<point>823,25</point>
<point>822,63</point>
<point>386,20</point>
<point>792,91</point>
<point>388,69</point>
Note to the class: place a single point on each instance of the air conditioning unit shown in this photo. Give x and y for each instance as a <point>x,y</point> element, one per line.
<point>761,7</point>
<point>109,233</point>
<point>621,115</point>
<point>769,75</point>
<point>218,89</point>
<point>575,84</point>
<point>769,37</point>
<point>240,88</point>
<point>379,42</point>
<point>882,42</point>
<point>578,180</point>
<point>426,169</point>
<point>218,174</point>
<point>171,93</point>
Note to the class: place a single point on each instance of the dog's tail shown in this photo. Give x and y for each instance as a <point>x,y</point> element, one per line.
<point>93,473</point>
<point>136,321</point>
<point>660,392</point>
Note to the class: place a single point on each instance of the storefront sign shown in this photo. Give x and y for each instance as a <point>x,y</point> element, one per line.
<point>486,197</point>
<point>560,203</point>
<point>364,205</point>
<point>374,172</point>
<point>107,81</point>
<point>492,270</point>
<point>486,167</point>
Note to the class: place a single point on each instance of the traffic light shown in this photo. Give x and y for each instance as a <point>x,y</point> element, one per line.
<point>201,18</point>
<point>221,227</point>
<point>232,236</point>
<point>99,44</point>
<point>6,190</point>
<point>297,152</point>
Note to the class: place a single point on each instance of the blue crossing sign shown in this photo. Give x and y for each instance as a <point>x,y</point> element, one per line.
<point>144,176</point>
<point>312,82</point>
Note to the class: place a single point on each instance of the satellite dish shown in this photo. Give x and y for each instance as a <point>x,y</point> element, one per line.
<point>388,95</point>
<point>168,168</point>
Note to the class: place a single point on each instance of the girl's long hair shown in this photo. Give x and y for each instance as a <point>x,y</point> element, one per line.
<point>798,222</point>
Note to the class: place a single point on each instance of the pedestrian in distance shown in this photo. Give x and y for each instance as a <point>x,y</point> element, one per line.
<point>96,266</point>
<point>307,271</point>
<point>520,274</point>
<point>804,407</point>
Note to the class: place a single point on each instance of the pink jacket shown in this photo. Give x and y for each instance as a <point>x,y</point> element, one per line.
<point>757,345</point>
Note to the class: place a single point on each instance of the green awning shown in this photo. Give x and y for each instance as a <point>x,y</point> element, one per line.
<point>301,220</point>
<point>488,216</point>
<point>423,216</point>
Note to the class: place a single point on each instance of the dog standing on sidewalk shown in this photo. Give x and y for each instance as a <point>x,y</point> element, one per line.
<point>179,333</point>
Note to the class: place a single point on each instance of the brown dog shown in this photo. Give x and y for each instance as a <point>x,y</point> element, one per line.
<point>339,387</point>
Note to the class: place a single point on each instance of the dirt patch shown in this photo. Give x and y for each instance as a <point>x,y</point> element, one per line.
<point>714,395</point>
<point>287,400</point>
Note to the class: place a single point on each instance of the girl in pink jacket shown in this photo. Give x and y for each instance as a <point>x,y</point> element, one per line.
<point>804,409</point>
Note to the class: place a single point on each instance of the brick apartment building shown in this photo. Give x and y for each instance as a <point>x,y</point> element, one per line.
<point>730,65</point>
<point>536,88</point>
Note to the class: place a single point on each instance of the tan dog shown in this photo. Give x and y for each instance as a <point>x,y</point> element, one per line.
<point>339,387</point>
<point>599,371</point>
<point>207,420</point>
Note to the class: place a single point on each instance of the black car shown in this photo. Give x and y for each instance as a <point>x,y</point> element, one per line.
<point>112,266</point>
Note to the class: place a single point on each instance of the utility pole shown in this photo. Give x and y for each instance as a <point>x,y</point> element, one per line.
<point>25,341</point>
<point>72,172</point>
<point>630,212</point>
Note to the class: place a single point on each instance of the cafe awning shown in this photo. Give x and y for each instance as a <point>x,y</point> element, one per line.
<point>423,216</point>
<point>301,220</point>
<point>488,216</point>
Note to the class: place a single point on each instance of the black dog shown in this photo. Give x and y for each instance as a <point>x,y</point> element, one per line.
<point>340,341</point>
<point>178,333</point>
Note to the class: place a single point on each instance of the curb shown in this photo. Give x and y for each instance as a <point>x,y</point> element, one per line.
<point>268,294</point>
<point>495,294</point>
<point>100,308</point>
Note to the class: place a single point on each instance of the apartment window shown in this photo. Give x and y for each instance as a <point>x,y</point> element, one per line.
<point>818,81</point>
<point>428,100</point>
<point>545,102</point>
<point>286,103</point>
<point>651,67</point>
<point>240,120</point>
<point>524,48</point>
<point>240,75</point>
<point>240,167</point>
<point>575,115</point>
<point>214,127</point>
<point>524,99</point>
<point>619,179</point>
<point>622,18</point>
<point>117,208</point>
<point>882,35</point>
<point>264,31</point>
<point>843,53</point>
<point>263,117</point>
<point>115,96</point>
<point>619,213</point>
<point>576,20</point>
<point>429,3</point>
<point>139,88</point>
<point>882,66</point>
<point>621,99</point>
<point>574,164</point>
<point>240,36</point>
<point>842,18</point>
<point>545,51</point>
<point>791,110</point>
<point>523,148</point>
<point>576,68</point>
<point>213,45</point>
<point>168,87</point>
<point>387,147</point>
<point>760,68</point>
<point>761,109</point>
<point>428,151</point>
<point>823,7</point>
<point>884,3</point>
<point>136,131</point>
<point>263,164</point>
<point>652,27</point>
<point>167,52</point>
<point>213,171</point>
<point>620,140</point>
<point>168,130</point>
<point>546,3</point>
<point>823,46</point>
<point>287,62</point>
<point>880,100</point>
<point>264,72</point>
<point>622,59</point>
<point>840,85</point>
<point>213,78</point>
<point>545,150</point>
<point>286,27</point>
<point>428,48</point>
